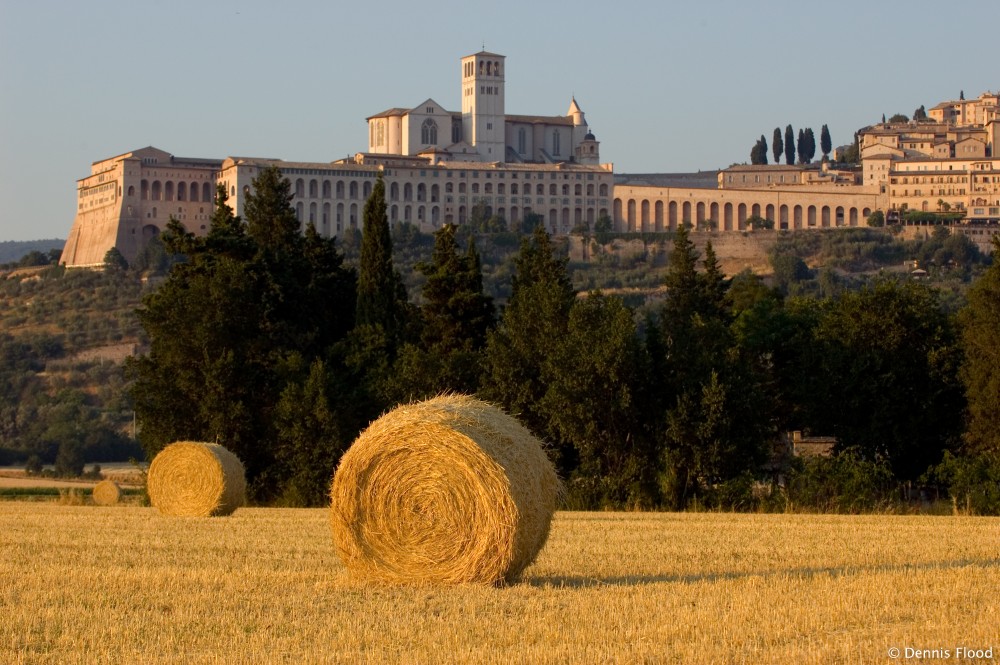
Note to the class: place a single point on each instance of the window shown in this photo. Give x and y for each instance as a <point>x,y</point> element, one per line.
<point>429,132</point>
<point>555,143</point>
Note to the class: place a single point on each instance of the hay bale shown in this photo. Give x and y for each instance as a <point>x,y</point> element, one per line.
<point>190,479</point>
<point>106,493</point>
<point>450,490</point>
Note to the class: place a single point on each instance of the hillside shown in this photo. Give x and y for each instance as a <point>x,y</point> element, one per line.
<point>11,251</point>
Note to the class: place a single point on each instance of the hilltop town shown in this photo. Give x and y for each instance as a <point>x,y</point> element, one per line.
<point>443,166</point>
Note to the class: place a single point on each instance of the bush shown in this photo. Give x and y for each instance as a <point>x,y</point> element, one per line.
<point>844,483</point>
<point>973,482</point>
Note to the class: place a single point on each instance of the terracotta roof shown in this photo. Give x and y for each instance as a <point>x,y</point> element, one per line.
<point>388,113</point>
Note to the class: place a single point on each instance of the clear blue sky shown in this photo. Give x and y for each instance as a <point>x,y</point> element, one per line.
<point>665,87</point>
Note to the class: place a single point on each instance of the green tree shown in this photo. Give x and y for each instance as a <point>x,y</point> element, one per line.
<point>789,145</point>
<point>456,316</point>
<point>980,322</point>
<point>114,262</point>
<point>899,118</point>
<point>809,150</point>
<point>825,143</point>
<point>920,114</point>
<point>595,401</point>
<point>876,219</point>
<point>533,322</point>
<point>895,355</point>
<point>777,145</point>
<point>758,155</point>
<point>239,320</point>
<point>382,299</point>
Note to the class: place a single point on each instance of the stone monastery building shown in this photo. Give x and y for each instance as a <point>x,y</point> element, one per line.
<point>440,165</point>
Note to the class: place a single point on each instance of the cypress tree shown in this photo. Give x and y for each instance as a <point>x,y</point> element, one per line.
<point>777,145</point>
<point>825,143</point>
<point>382,301</point>
<point>789,145</point>
<point>980,371</point>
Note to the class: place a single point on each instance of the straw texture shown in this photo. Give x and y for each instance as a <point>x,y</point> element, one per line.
<point>106,493</point>
<point>189,479</point>
<point>449,490</point>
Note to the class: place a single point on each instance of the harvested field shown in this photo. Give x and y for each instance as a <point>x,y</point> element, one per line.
<point>83,584</point>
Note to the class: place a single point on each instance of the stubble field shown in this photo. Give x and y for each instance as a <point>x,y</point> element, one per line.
<point>84,584</point>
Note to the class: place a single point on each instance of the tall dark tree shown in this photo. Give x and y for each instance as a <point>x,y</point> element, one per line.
<point>533,322</point>
<point>809,149</point>
<point>758,154</point>
<point>981,368</point>
<point>789,145</point>
<point>777,145</point>
<point>920,113</point>
<point>456,316</point>
<point>825,143</point>
<point>382,300</point>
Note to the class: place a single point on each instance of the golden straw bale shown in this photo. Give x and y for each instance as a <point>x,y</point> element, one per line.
<point>106,493</point>
<point>190,479</point>
<point>449,490</point>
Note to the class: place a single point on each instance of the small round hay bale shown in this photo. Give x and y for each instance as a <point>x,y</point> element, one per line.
<point>190,479</point>
<point>106,493</point>
<point>449,490</point>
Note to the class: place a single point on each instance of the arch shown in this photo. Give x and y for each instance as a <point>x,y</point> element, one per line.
<point>394,191</point>
<point>449,188</point>
<point>783,216</point>
<point>340,217</point>
<point>313,188</point>
<point>565,190</point>
<point>618,219</point>
<point>644,208</point>
<point>603,190</point>
<point>755,210</point>
<point>182,190</point>
<point>657,216</point>
<point>435,193</point>
<point>590,217</point>
<point>686,213</point>
<point>699,212</point>
<point>824,216</point>
<point>565,219</point>
<point>300,188</point>
<point>741,216</point>
<point>488,188</point>
<point>312,213</point>
<point>168,191</point>
<point>461,188</point>
<point>366,189</point>
<point>144,189</point>
<point>156,192</point>
<point>514,214</point>
<point>838,216</point>
<point>631,215</point>
<point>797,217</point>
<point>590,189</point>
<point>150,231</point>
<point>207,194</point>
<point>672,216</point>
<point>727,216</point>
<point>461,214</point>
<point>811,216</point>
<point>394,213</point>
<point>866,212</point>
<point>513,189</point>
<point>421,191</point>
<point>853,220</point>
<point>326,219</point>
<point>131,190</point>
<point>339,188</point>
<point>354,215</point>
<point>194,191</point>
<point>924,207</point>
<point>578,190</point>
<point>326,189</point>
<point>352,189</point>
<point>408,192</point>
<point>407,212</point>
<point>540,190</point>
<point>299,211</point>
<point>553,220</point>
<point>435,215</point>
<point>553,189</point>
<point>420,214</point>
<point>713,212</point>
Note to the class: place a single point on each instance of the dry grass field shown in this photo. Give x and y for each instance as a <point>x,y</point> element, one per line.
<point>85,584</point>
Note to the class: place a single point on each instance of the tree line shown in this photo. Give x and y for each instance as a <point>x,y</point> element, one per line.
<point>264,339</point>
<point>785,145</point>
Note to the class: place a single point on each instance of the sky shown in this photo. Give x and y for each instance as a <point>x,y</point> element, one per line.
<point>666,86</point>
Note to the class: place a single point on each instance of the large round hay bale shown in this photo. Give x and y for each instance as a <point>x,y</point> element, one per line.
<point>106,493</point>
<point>449,490</point>
<point>190,479</point>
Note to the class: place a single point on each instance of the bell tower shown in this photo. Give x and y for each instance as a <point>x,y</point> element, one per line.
<point>483,116</point>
